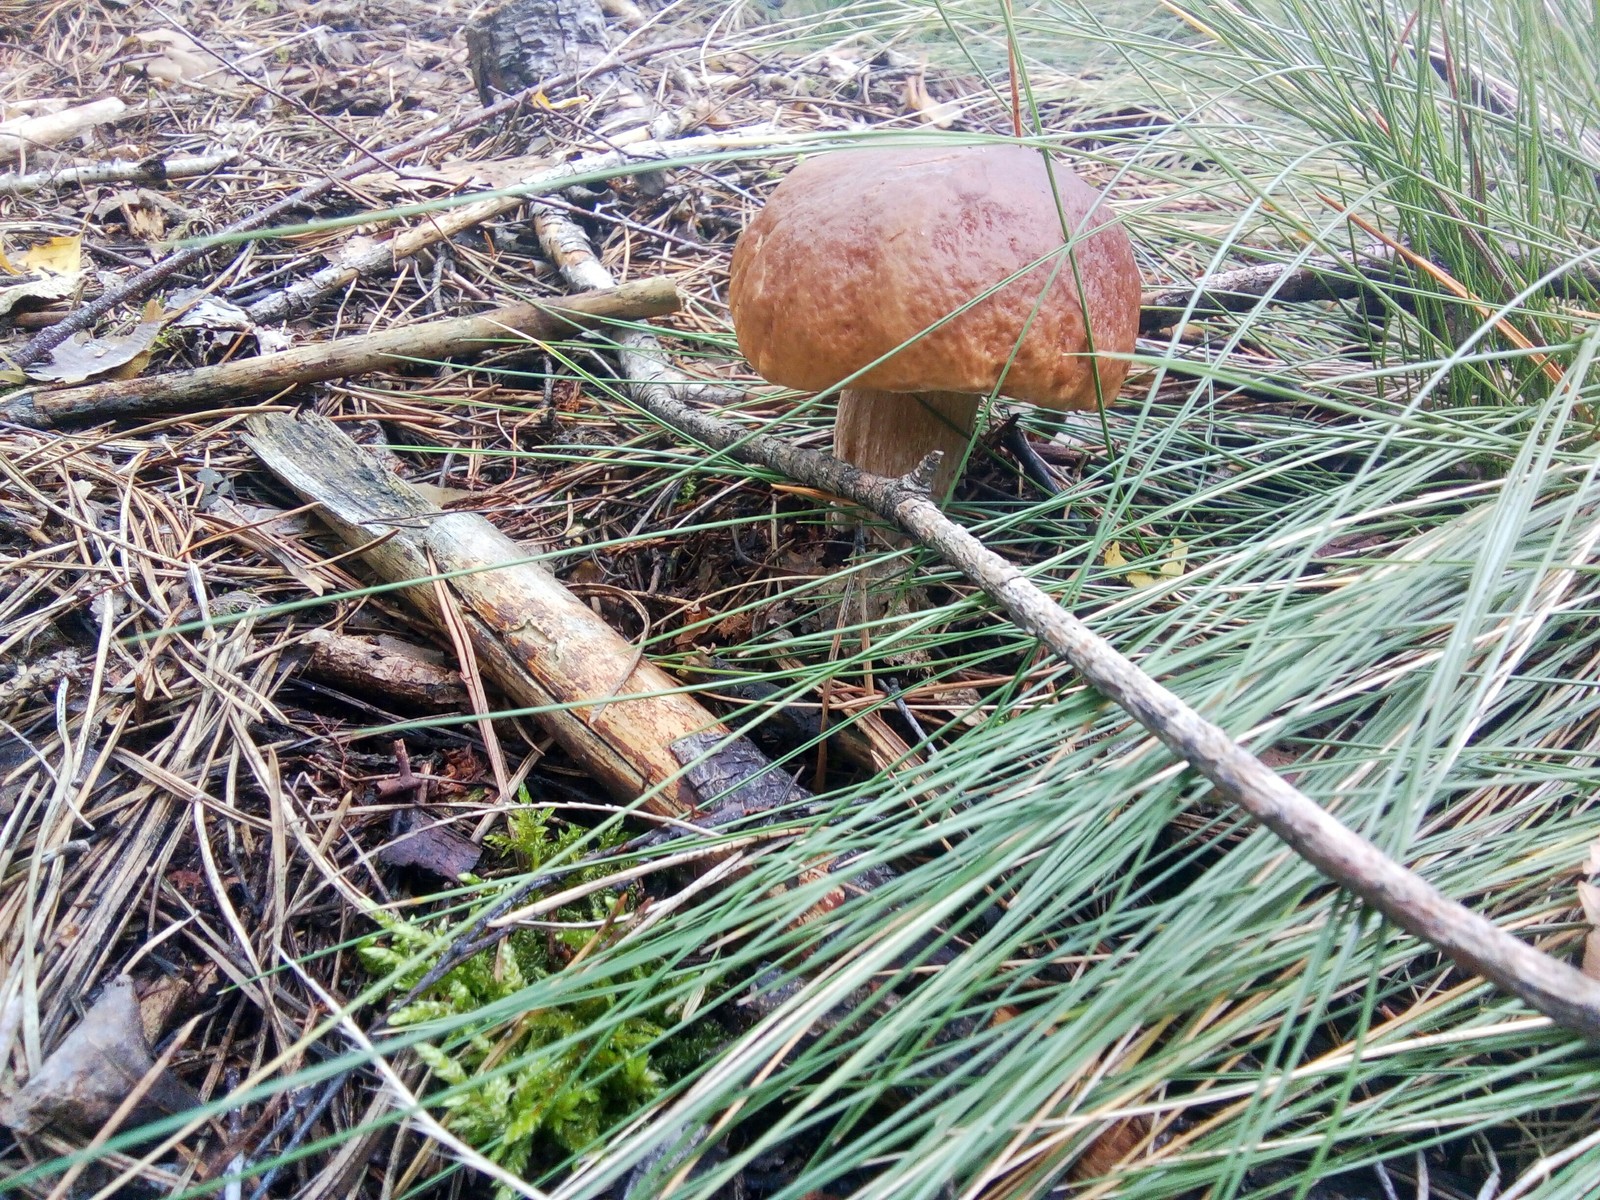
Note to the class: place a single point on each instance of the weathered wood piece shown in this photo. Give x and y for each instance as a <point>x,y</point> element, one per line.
<point>151,170</point>
<point>615,713</point>
<point>385,667</point>
<point>515,45</point>
<point>271,373</point>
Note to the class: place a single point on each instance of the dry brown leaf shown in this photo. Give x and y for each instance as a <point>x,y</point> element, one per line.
<point>143,211</point>
<point>939,114</point>
<point>92,1071</point>
<point>55,256</point>
<point>173,57</point>
<point>444,496</point>
<point>117,356</point>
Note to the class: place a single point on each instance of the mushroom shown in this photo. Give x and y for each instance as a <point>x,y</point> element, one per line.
<point>873,261</point>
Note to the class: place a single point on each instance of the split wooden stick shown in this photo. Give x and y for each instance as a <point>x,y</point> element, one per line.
<point>190,390</point>
<point>613,711</point>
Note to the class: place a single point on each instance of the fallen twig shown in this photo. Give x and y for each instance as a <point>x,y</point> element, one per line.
<point>371,257</point>
<point>1554,988</point>
<point>1323,277</point>
<point>1344,856</point>
<point>150,170</point>
<point>336,359</point>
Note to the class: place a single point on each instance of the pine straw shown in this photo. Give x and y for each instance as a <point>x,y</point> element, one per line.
<point>178,800</point>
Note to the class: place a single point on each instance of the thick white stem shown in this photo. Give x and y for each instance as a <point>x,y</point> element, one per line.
<point>889,433</point>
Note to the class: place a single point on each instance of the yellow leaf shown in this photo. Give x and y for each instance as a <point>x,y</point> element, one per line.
<point>1170,569</point>
<point>1173,567</point>
<point>540,100</point>
<point>57,256</point>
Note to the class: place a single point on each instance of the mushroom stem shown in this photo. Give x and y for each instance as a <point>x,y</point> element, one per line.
<point>889,433</point>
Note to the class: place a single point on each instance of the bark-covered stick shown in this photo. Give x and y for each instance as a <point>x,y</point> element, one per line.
<point>1321,277</point>
<point>362,259</point>
<point>614,712</point>
<point>1561,992</point>
<point>150,170</point>
<point>1473,942</point>
<point>269,373</point>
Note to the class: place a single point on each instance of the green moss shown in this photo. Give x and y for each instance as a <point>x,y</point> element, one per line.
<point>545,1082</point>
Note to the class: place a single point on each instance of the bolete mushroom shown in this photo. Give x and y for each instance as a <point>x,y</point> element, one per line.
<point>894,262</point>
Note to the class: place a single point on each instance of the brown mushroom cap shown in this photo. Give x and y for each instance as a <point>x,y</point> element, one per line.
<point>860,251</point>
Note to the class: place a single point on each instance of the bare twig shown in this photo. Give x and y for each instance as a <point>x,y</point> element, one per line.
<point>1344,856</point>
<point>1322,277</point>
<point>269,373</point>
<point>374,257</point>
<point>150,170</point>
<point>1562,993</point>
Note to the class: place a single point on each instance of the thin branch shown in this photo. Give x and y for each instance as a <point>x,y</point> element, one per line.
<point>337,359</point>
<point>1323,277</point>
<point>1565,995</point>
<point>367,257</point>
<point>1476,944</point>
<point>150,170</point>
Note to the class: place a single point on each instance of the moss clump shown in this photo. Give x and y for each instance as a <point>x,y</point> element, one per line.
<point>538,1081</point>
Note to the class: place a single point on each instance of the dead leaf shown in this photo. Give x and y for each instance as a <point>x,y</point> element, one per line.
<point>121,356</point>
<point>197,309</point>
<point>55,256</point>
<point>939,114</point>
<point>92,1071</point>
<point>168,998</point>
<point>444,496</point>
<point>171,56</point>
<point>45,290</point>
<point>1171,569</point>
<point>143,211</point>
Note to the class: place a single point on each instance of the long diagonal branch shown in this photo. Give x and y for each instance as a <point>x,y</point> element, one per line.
<point>1554,988</point>
<point>1562,993</point>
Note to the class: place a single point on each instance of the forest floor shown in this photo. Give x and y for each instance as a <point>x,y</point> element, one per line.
<point>220,726</point>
